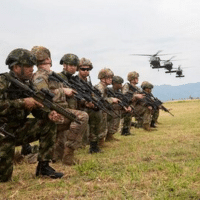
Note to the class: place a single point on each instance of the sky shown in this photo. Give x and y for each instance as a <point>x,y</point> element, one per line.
<point>107,32</point>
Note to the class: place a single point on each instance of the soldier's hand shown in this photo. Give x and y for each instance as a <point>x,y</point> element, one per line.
<point>139,96</point>
<point>56,117</point>
<point>150,108</point>
<point>69,92</point>
<point>89,104</point>
<point>115,100</point>
<point>31,103</point>
<point>129,109</point>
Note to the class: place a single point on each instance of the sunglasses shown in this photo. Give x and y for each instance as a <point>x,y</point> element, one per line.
<point>85,69</point>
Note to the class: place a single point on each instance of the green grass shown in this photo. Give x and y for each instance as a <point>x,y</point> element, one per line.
<point>163,164</point>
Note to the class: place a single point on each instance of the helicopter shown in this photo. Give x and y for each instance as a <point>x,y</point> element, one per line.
<point>168,65</point>
<point>179,72</point>
<point>154,59</point>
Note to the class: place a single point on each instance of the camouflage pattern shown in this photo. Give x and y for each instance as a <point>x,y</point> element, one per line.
<point>25,130</point>
<point>114,121</point>
<point>103,124</point>
<point>41,53</point>
<point>105,73</point>
<point>117,79</point>
<point>155,115</point>
<point>69,134</point>
<point>132,75</point>
<point>140,109</point>
<point>85,62</point>
<point>21,57</point>
<point>94,125</point>
<point>70,59</point>
<point>146,84</point>
<point>72,102</point>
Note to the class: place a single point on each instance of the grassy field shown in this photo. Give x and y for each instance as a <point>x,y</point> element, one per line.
<point>163,164</point>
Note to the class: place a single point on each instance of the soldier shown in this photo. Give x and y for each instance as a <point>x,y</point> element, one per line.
<point>15,107</point>
<point>147,87</point>
<point>85,66</point>
<point>69,133</point>
<point>114,122</point>
<point>105,75</point>
<point>143,111</point>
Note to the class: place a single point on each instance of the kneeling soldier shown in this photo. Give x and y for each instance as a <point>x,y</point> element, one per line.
<point>15,107</point>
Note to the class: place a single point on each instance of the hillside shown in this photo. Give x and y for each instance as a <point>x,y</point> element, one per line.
<point>168,92</point>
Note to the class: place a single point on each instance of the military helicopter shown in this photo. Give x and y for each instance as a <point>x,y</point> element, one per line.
<point>168,65</point>
<point>154,59</point>
<point>179,72</point>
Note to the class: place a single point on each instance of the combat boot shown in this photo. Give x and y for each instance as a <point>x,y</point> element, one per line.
<point>101,142</point>
<point>110,138</point>
<point>26,149</point>
<point>146,127</point>
<point>94,148</point>
<point>68,157</point>
<point>43,169</point>
<point>153,124</point>
<point>125,132</point>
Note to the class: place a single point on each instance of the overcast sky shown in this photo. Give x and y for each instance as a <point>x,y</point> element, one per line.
<point>107,32</point>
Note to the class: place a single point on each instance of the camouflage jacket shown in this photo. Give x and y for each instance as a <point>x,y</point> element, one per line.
<point>12,107</point>
<point>102,88</point>
<point>126,88</point>
<point>42,79</point>
<point>72,102</point>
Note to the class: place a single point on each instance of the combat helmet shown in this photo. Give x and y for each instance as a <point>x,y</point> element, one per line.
<point>85,62</point>
<point>20,56</point>
<point>41,53</point>
<point>70,59</point>
<point>146,84</point>
<point>132,75</point>
<point>105,73</point>
<point>117,79</point>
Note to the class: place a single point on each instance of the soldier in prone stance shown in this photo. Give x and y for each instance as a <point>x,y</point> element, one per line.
<point>15,107</point>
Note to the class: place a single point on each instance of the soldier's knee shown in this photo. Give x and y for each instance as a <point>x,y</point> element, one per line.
<point>83,116</point>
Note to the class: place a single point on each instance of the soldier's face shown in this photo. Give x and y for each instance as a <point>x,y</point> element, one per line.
<point>118,86</point>
<point>84,71</point>
<point>134,81</point>
<point>25,72</point>
<point>148,90</point>
<point>70,68</point>
<point>108,81</point>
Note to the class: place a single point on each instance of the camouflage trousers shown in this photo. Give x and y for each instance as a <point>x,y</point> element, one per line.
<point>144,116</point>
<point>113,123</point>
<point>94,125</point>
<point>155,115</point>
<point>69,134</point>
<point>33,129</point>
<point>103,126</point>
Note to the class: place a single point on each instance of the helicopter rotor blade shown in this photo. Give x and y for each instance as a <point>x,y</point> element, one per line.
<point>157,53</point>
<point>141,55</point>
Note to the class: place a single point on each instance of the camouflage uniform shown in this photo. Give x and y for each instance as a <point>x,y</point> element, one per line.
<point>26,130</point>
<point>102,88</point>
<point>155,112</point>
<point>114,121</point>
<point>69,134</point>
<point>139,106</point>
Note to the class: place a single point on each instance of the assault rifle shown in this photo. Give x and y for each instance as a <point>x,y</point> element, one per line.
<point>151,100</point>
<point>125,100</point>
<point>45,98</point>
<point>4,133</point>
<point>83,92</point>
